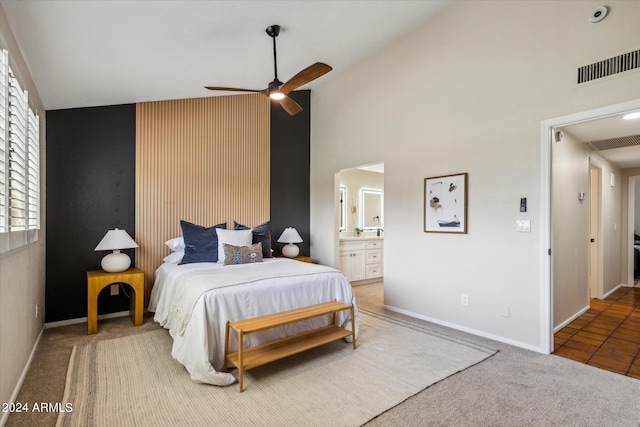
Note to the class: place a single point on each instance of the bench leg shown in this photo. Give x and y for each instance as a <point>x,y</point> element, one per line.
<point>353,327</point>
<point>240,359</point>
<point>226,347</point>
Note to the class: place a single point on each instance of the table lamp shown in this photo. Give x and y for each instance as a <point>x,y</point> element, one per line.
<point>115,240</point>
<point>290,236</point>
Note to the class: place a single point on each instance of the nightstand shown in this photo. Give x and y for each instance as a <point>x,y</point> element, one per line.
<point>99,279</point>
<point>302,258</point>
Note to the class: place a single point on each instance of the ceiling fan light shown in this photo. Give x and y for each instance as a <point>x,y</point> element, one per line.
<point>276,96</point>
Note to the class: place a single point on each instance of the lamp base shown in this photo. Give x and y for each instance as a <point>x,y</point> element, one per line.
<point>116,262</point>
<point>290,250</point>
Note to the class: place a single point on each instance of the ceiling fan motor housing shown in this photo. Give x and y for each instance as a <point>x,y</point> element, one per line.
<point>273,30</point>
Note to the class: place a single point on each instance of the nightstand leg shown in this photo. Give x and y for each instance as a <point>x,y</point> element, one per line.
<point>92,310</point>
<point>136,308</point>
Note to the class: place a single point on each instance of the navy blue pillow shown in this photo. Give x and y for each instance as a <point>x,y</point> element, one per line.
<point>200,243</point>
<point>261,234</point>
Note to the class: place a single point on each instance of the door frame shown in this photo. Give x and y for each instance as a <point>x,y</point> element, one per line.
<point>595,164</point>
<point>546,226</point>
<point>634,180</point>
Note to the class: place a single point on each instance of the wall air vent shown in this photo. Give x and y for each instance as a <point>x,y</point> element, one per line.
<point>608,144</point>
<point>609,67</point>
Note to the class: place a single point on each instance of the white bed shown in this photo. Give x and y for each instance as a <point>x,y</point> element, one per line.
<point>194,301</point>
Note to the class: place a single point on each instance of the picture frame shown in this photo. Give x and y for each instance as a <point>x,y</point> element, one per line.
<point>445,204</point>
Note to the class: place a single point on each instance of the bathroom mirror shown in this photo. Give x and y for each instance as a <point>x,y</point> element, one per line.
<point>372,207</point>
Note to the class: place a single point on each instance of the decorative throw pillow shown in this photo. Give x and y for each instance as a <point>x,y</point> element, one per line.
<point>231,237</point>
<point>174,258</point>
<point>200,243</point>
<point>242,254</point>
<point>176,244</point>
<point>261,233</point>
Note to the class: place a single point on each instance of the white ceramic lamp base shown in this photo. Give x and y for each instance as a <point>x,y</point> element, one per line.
<point>116,262</point>
<point>290,250</point>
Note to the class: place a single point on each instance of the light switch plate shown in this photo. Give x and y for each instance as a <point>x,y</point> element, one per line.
<point>523,225</point>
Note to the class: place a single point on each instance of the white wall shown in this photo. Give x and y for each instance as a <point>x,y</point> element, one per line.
<point>22,273</point>
<point>570,175</point>
<point>570,217</point>
<point>466,92</point>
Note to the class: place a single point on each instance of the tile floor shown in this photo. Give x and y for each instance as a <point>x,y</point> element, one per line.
<point>607,336</point>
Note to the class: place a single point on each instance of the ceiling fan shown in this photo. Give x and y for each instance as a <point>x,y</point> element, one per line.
<point>279,91</point>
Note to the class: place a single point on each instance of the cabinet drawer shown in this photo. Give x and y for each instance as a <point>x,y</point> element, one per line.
<point>352,246</point>
<point>374,244</point>
<point>374,256</point>
<point>373,271</point>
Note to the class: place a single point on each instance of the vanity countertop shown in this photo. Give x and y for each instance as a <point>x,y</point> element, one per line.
<point>362,238</point>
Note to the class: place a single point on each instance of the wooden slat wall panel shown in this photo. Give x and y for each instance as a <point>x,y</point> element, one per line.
<point>203,160</point>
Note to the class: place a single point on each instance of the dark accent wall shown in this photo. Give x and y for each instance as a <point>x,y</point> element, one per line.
<point>90,189</point>
<point>290,170</point>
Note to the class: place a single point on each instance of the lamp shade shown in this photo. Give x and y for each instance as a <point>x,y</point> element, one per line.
<point>290,235</point>
<point>115,240</point>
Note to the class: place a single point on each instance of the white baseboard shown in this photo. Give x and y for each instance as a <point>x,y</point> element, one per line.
<point>613,290</point>
<point>18,386</point>
<point>84,319</point>
<point>585,309</point>
<point>468,330</point>
<point>571,319</point>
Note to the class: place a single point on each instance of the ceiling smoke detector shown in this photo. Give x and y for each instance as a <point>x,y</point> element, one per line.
<point>598,14</point>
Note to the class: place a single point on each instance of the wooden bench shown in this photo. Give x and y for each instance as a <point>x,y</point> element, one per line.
<point>261,354</point>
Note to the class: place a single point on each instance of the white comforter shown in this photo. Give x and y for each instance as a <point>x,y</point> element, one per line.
<point>194,301</point>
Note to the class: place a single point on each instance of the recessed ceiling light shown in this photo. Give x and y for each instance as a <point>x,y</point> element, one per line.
<point>632,116</point>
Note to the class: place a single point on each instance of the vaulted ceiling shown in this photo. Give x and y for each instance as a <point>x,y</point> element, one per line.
<point>90,53</point>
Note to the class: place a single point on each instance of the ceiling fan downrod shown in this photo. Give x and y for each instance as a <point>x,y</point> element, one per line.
<point>273,32</point>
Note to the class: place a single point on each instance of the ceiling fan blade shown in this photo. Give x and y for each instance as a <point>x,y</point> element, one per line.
<point>235,89</point>
<point>305,76</point>
<point>290,106</point>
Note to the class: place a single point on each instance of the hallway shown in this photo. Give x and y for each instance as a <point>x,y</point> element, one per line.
<point>607,336</point>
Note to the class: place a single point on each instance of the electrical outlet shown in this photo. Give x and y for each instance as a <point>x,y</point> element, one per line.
<point>37,310</point>
<point>115,289</point>
<point>506,310</point>
<point>464,299</point>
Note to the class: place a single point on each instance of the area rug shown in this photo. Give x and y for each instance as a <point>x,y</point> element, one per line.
<point>134,380</point>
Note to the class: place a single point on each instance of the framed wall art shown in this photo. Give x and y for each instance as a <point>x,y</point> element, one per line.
<point>445,204</point>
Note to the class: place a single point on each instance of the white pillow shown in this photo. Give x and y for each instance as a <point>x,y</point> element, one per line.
<point>232,237</point>
<point>176,244</point>
<point>174,258</point>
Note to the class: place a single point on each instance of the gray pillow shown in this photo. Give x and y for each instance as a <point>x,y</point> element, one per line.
<point>261,234</point>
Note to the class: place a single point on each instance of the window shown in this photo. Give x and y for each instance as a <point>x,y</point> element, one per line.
<point>3,140</point>
<point>19,163</point>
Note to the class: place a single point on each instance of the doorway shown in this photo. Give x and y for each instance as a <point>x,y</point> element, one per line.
<point>549,229</point>
<point>359,214</point>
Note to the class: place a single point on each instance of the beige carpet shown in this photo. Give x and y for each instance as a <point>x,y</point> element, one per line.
<point>134,381</point>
